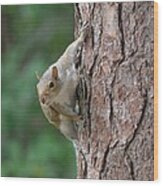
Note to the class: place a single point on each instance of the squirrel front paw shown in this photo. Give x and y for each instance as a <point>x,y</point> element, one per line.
<point>77,118</point>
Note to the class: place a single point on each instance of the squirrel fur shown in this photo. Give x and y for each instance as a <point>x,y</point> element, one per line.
<point>57,90</point>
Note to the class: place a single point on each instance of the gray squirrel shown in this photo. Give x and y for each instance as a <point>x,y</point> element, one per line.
<point>57,89</point>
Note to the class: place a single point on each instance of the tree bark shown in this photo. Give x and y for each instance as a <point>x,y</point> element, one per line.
<point>116,91</point>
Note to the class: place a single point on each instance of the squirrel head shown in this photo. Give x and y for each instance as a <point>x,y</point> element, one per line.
<point>48,86</point>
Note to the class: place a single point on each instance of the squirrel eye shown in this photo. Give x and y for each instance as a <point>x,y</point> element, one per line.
<point>51,84</point>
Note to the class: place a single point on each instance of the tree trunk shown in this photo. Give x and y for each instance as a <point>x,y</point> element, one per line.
<point>116,91</point>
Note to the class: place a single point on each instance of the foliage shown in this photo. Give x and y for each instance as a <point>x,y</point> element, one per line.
<point>33,36</point>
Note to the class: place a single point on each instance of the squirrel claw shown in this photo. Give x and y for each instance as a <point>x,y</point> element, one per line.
<point>85,29</point>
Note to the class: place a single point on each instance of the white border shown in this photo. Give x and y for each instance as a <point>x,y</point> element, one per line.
<point>55,1</point>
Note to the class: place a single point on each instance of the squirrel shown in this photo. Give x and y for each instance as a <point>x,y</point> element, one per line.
<point>57,90</point>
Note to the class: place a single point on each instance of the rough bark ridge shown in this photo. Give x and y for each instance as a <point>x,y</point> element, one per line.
<point>116,94</point>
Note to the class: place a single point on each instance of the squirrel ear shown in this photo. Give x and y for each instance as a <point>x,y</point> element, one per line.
<point>54,72</point>
<point>37,76</point>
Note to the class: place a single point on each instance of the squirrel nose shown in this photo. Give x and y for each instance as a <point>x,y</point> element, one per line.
<point>43,99</point>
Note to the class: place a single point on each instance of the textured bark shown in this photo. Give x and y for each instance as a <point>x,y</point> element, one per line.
<point>116,91</point>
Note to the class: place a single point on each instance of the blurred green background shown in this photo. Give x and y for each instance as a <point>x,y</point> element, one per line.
<point>32,37</point>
